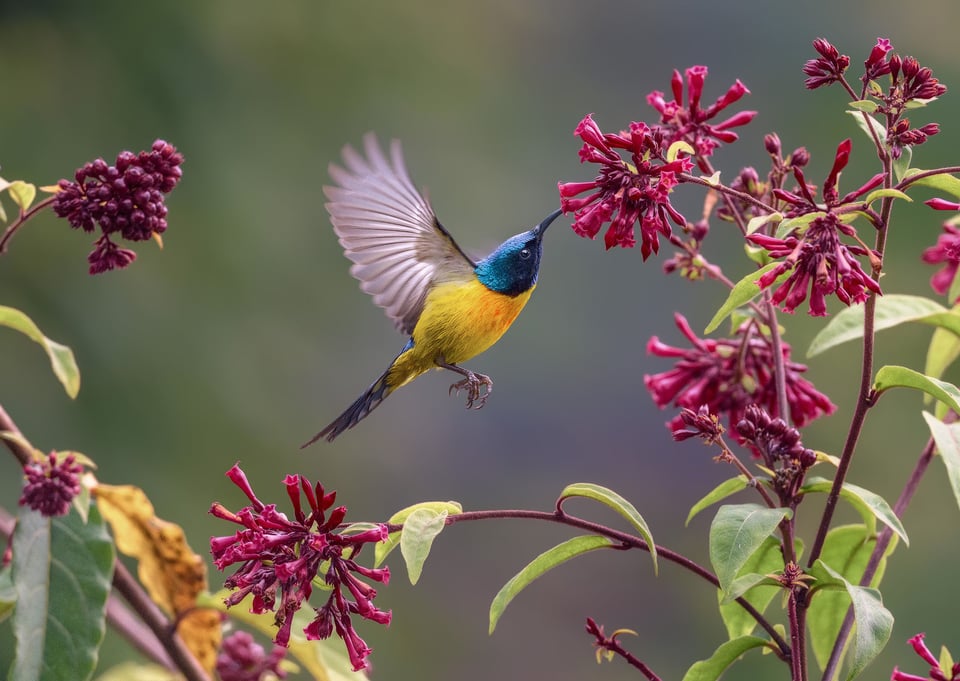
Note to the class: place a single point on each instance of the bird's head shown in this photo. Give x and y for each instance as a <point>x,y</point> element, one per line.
<point>512,269</point>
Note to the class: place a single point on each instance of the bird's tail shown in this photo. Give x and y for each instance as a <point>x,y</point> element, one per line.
<point>357,411</point>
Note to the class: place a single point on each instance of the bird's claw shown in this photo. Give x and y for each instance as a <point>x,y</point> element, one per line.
<point>478,389</point>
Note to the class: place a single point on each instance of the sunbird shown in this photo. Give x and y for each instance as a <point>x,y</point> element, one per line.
<point>451,307</point>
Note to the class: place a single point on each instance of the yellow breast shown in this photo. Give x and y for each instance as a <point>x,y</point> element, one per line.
<point>459,321</point>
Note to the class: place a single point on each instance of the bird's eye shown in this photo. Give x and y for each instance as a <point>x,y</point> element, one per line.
<point>524,253</point>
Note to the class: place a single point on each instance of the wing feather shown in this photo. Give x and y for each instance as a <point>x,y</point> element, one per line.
<point>390,232</point>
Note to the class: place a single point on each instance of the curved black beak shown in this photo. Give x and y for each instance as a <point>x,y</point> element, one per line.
<point>542,227</point>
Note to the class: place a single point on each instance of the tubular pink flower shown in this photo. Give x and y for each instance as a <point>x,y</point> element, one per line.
<point>278,559</point>
<point>726,375</point>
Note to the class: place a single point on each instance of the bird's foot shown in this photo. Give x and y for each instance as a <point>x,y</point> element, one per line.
<point>478,389</point>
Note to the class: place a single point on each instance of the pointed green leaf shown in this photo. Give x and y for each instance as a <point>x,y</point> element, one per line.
<point>742,293</point>
<point>891,310</point>
<point>745,583</point>
<point>8,595</point>
<point>22,193</point>
<point>943,351</point>
<point>848,549</point>
<point>881,193</point>
<point>874,622</point>
<point>797,224</point>
<point>901,166</point>
<point>610,498</point>
<point>673,152</point>
<point>543,563</point>
<point>61,357</point>
<point>941,182</point>
<point>712,668</point>
<point>869,504</point>
<point>892,376</point>
<point>947,438</point>
<point>870,125</point>
<point>736,533</point>
<point>383,549</point>
<point>867,105</point>
<point>718,493</point>
<point>759,221</point>
<point>419,530</point>
<point>767,560</point>
<point>62,569</point>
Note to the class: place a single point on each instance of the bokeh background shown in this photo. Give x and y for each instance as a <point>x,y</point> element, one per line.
<point>246,334</point>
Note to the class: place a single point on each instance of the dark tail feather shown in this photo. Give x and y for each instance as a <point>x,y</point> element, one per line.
<point>357,411</point>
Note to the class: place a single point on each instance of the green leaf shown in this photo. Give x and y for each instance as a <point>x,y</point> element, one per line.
<point>8,595</point>
<point>718,493</point>
<point>798,223</point>
<point>902,165</point>
<point>752,585</point>
<point>848,549</point>
<point>892,376</point>
<point>736,533</point>
<point>673,152</point>
<point>419,530</point>
<point>546,561</point>
<point>947,438</point>
<point>22,193</point>
<point>868,123</point>
<point>866,105</point>
<point>61,357</point>
<point>943,350</point>
<point>941,182</point>
<point>881,193</point>
<point>869,504</point>
<point>742,293</point>
<point>613,500</point>
<point>724,656</point>
<point>891,310</point>
<point>760,220</point>
<point>383,549</point>
<point>62,570</point>
<point>874,622</point>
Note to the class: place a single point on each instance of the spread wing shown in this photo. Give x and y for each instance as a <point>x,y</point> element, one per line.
<point>390,232</point>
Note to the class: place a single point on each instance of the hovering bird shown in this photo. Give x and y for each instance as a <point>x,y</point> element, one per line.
<point>451,307</point>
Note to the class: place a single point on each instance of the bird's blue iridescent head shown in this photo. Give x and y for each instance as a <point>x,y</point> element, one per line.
<point>512,269</point>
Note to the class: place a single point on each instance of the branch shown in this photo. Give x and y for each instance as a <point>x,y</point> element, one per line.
<point>628,541</point>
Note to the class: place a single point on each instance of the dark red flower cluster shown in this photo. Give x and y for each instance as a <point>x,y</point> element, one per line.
<point>779,447</point>
<point>814,255</point>
<point>700,423</point>
<point>936,672</point>
<point>125,199</point>
<point>690,123</point>
<point>946,251</point>
<point>51,485</point>
<point>726,375</point>
<point>828,68</point>
<point>624,193</point>
<point>637,190</point>
<point>241,658</point>
<point>279,558</point>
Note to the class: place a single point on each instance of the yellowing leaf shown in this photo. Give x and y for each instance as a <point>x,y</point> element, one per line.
<point>168,568</point>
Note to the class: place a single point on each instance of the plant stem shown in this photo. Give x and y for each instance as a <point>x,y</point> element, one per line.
<point>876,556</point>
<point>628,541</point>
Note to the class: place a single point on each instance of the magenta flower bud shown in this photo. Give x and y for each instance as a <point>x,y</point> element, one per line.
<point>942,204</point>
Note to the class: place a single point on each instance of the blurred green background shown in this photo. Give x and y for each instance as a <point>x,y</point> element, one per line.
<point>246,334</point>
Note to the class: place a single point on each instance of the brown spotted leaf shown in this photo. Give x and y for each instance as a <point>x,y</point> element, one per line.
<point>168,568</point>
